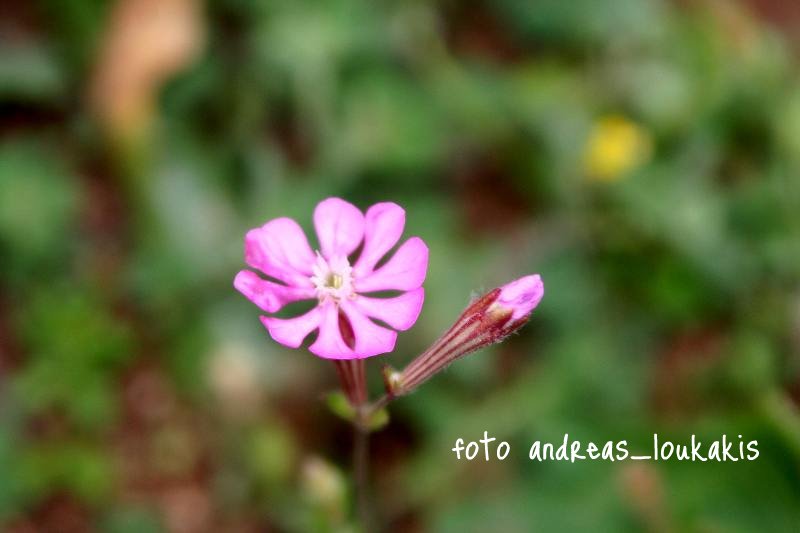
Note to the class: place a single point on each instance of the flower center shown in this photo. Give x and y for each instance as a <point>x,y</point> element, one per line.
<point>334,281</point>
<point>332,278</point>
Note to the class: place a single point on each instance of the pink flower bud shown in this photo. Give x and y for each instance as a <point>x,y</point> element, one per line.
<point>488,320</point>
<point>521,296</point>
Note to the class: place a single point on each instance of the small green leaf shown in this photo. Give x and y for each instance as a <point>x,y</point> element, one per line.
<point>340,406</point>
<point>378,420</point>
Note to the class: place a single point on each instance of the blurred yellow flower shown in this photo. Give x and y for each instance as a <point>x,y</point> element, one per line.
<point>616,145</point>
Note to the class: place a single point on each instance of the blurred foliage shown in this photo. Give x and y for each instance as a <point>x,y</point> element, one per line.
<point>642,155</point>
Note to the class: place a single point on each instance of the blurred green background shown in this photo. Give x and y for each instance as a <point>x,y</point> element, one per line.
<point>642,155</point>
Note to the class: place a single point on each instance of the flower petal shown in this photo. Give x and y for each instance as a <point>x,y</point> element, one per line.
<point>383,226</point>
<point>340,227</point>
<point>280,249</point>
<point>521,295</point>
<point>400,312</point>
<point>405,271</point>
<point>329,343</point>
<point>371,339</point>
<point>292,331</point>
<point>269,296</point>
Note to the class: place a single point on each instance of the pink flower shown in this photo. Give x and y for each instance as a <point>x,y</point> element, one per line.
<point>345,311</point>
<point>487,320</point>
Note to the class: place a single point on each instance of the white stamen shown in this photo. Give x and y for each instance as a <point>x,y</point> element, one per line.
<point>332,278</point>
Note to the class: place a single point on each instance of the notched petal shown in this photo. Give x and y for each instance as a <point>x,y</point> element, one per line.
<point>400,312</point>
<point>280,250</point>
<point>405,270</point>
<point>291,332</point>
<point>383,226</point>
<point>329,343</point>
<point>371,339</point>
<point>340,227</point>
<point>268,295</point>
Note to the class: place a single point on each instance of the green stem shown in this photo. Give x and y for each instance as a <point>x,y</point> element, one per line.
<point>361,473</point>
<point>376,406</point>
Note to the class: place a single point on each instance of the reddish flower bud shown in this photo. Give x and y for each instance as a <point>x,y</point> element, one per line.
<point>488,320</point>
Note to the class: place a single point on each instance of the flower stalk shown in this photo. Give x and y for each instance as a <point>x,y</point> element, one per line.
<point>352,378</point>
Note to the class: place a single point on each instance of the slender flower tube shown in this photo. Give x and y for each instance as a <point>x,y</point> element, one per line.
<point>352,376</point>
<point>338,278</point>
<point>488,320</point>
